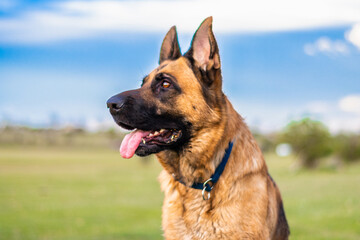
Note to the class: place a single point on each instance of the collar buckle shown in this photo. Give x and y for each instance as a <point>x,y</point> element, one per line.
<point>208,188</point>
<point>214,178</point>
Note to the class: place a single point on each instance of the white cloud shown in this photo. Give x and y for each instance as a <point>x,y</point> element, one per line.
<point>353,35</point>
<point>343,115</point>
<point>340,115</point>
<point>350,104</point>
<point>327,46</point>
<point>318,107</point>
<point>343,123</point>
<point>75,19</point>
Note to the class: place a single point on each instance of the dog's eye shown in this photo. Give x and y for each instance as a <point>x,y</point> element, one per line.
<point>165,84</point>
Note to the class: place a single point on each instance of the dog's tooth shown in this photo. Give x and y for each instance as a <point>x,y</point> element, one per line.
<point>162,130</point>
<point>150,135</point>
<point>156,133</point>
<point>143,140</point>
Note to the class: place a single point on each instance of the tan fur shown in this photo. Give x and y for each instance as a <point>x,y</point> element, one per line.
<point>245,203</point>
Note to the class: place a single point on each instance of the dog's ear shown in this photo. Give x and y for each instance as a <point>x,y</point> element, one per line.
<point>170,49</point>
<point>204,49</point>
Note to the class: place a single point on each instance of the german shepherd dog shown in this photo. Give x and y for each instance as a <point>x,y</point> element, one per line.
<point>215,179</point>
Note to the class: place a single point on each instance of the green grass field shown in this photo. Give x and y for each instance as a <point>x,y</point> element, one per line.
<point>52,193</point>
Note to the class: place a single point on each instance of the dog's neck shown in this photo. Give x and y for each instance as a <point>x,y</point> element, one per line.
<point>197,164</point>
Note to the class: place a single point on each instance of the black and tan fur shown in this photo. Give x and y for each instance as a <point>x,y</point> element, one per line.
<point>245,203</point>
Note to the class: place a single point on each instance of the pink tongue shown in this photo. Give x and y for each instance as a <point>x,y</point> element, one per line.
<point>131,142</point>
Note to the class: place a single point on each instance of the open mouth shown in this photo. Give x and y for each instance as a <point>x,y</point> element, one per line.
<point>148,139</point>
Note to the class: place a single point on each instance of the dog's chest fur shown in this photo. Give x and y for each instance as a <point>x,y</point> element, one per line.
<point>187,206</point>
<point>187,216</point>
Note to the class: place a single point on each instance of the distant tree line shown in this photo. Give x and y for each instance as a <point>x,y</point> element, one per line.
<point>310,140</point>
<point>69,137</point>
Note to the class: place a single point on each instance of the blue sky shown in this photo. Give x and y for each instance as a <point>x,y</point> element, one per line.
<point>61,60</point>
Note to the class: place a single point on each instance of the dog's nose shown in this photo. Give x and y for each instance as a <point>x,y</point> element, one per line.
<point>115,103</point>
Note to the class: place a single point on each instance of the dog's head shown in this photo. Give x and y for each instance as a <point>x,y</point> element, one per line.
<point>179,98</point>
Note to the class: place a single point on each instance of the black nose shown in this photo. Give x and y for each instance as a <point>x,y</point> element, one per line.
<point>115,103</point>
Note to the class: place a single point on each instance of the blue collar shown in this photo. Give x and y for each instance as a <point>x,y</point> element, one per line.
<point>205,186</point>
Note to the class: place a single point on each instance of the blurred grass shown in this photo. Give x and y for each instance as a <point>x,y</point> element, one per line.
<point>70,193</point>
<point>77,194</point>
<point>319,204</point>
